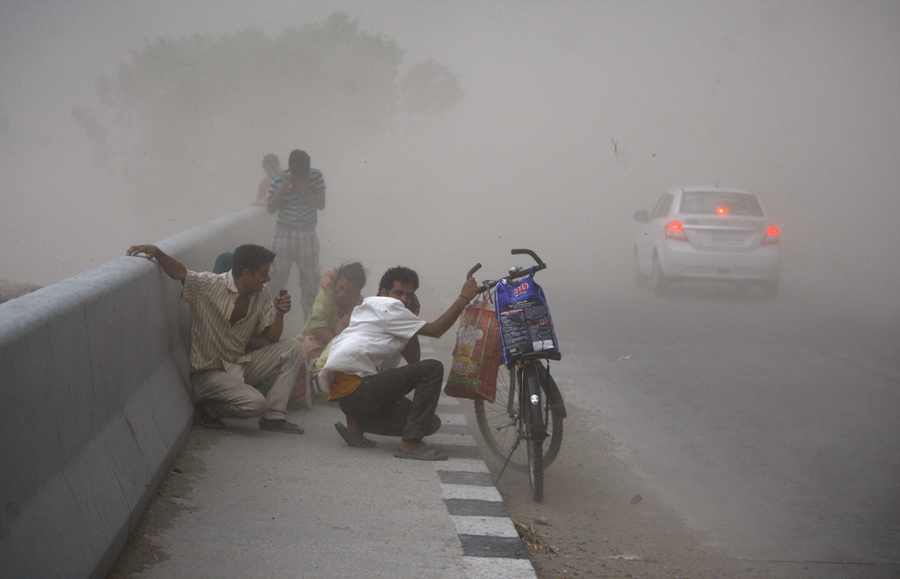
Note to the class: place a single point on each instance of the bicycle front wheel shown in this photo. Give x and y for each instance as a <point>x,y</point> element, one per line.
<point>533,419</point>
<point>499,422</point>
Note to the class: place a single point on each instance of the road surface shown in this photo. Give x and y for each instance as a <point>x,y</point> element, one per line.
<point>771,427</point>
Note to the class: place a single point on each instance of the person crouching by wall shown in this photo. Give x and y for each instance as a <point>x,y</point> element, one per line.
<point>226,309</point>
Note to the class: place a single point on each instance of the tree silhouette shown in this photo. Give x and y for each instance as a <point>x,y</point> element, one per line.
<point>196,113</point>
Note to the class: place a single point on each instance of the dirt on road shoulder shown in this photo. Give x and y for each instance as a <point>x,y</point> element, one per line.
<point>170,500</point>
<point>599,520</point>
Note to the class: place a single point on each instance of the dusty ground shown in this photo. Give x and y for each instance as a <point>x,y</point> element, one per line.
<point>599,520</point>
<point>165,506</point>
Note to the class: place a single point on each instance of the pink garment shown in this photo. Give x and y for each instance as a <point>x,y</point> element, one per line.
<point>313,348</point>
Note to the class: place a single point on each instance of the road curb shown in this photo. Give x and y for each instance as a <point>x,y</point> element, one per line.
<point>491,545</point>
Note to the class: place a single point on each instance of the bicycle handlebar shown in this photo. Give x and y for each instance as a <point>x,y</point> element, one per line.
<point>533,255</point>
<point>514,272</point>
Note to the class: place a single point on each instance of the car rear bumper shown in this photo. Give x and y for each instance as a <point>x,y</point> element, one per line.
<point>687,263</point>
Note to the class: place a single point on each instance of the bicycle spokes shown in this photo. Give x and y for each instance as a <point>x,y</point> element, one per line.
<point>519,439</point>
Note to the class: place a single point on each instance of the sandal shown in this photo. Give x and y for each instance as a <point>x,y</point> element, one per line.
<point>421,451</point>
<point>281,425</point>
<point>354,439</point>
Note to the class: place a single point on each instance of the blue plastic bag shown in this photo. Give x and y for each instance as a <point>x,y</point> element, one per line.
<point>525,322</point>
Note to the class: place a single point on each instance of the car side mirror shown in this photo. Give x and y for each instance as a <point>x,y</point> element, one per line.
<point>641,216</point>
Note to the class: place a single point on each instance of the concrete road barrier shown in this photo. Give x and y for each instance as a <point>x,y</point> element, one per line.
<point>95,402</point>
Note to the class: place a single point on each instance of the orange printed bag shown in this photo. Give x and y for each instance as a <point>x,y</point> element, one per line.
<point>476,357</point>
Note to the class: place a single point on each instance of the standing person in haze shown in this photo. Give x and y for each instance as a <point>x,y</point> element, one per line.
<point>297,194</point>
<point>226,309</point>
<point>367,380</point>
<point>272,166</point>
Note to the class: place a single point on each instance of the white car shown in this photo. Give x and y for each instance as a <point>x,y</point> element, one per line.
<point>706,234</point>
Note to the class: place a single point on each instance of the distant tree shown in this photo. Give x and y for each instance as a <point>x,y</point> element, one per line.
<point>197,112</point>
<point>430,88</point>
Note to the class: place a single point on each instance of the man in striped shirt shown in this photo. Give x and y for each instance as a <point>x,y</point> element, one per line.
<point>297,194</point>
<point>226,309</point>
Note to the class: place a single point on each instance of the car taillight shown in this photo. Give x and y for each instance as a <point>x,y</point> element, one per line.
<point>674,230</point>
<point>772,235</point>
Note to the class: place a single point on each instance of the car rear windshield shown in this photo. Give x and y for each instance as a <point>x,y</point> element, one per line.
<point>716,203</point>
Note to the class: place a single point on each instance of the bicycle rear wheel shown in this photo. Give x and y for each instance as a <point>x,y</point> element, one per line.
<point>498,421</point>
<point>533,419</point>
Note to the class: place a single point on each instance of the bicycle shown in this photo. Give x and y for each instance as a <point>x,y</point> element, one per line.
<point>528,405</point>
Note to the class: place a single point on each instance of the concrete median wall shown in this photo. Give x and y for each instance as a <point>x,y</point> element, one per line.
<point>95,402</point>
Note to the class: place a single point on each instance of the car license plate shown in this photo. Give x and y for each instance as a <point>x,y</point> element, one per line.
<point>725,239</point>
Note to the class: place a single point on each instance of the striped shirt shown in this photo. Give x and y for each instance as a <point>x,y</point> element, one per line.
<point>297,211</point>
<point>215,343</point>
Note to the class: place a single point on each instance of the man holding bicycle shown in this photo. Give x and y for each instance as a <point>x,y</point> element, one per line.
<point>367,380</point>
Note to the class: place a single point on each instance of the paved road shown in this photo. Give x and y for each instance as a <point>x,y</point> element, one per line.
<point>241,502</point>
<point>773,427</point>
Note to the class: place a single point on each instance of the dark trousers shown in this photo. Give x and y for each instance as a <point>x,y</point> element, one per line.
<point>380,406</point>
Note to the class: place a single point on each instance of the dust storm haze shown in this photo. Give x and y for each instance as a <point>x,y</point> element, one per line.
<point>574,115</point>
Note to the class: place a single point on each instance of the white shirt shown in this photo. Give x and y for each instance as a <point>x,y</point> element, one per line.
<point>379,330</point>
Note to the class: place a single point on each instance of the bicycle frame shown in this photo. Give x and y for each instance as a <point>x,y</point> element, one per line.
<point>524,364</point>
<point>533,409</point>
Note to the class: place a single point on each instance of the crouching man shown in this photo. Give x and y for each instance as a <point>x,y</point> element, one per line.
<point>226,309</point>
<point>365,376</point>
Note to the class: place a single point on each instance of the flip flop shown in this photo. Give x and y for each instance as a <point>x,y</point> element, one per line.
<point>354,439</point>
<point>280,426</point>
<point>421,451</point>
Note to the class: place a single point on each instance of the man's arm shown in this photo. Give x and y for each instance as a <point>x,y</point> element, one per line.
<point>273,333</point>
<point>282,306</point>
<point>318,198</point>
<point>274,202</point>
<point>322,335</point>
<point>170,265</point>
<point>412,352</point>
<point>437,328</point>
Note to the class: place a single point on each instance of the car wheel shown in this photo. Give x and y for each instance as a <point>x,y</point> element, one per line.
<point>658,281</point>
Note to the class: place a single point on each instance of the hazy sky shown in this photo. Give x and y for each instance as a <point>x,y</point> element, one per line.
<point>577,113</point>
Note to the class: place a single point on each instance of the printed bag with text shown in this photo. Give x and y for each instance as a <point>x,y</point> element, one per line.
<point>476,356</point>
<point>525,323</point>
